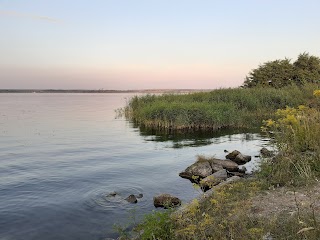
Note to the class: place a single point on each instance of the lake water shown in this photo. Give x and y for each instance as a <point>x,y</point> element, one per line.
<point>62,154</point>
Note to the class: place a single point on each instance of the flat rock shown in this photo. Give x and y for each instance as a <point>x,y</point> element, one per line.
<point>166,200</point>
<point>226,164</point>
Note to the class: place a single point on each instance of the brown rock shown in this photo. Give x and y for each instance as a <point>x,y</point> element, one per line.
<point>166,200</point>
<point>226,164</point>
<point>232,155</point>
<point>266,153</point>
<point>242,159</point>
<point>132,199</point>
<point>199,169</point>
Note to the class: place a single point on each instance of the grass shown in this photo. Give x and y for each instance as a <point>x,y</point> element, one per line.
<point>218,109</point>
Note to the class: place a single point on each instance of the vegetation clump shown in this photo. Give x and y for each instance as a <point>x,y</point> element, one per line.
<point>210,111</point>
<point>281,73</point>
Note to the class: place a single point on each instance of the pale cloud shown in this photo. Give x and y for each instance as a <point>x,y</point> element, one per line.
<point>30,16</point>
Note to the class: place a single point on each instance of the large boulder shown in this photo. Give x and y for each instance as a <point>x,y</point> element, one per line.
<point>214,179</point>
<point>199,169</point>
<point>166,200</point>
<point>205,167</point>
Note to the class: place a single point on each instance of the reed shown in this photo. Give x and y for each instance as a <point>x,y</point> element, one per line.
<point>210,111</point>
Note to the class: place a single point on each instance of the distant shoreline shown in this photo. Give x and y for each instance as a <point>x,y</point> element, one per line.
<point>102,91</point>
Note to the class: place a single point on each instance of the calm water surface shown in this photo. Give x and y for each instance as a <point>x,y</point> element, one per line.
<point>62,154</point>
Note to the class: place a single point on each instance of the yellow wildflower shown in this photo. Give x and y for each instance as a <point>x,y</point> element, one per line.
<point>316,93</point>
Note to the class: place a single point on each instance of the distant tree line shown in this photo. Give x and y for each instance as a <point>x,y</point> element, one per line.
<point>280,73</point>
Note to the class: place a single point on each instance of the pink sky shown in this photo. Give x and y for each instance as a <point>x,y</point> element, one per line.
<point>149,44</point>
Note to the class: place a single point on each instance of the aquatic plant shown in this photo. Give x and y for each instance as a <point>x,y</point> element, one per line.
<point>209,111</point>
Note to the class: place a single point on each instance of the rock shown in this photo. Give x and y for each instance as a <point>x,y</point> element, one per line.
<point>243,169</point>
<point>214,179</point>
<point>140,195</point>
<point>266,153</point>
<point>132,199</point>
<point>226,164</point>
<point>242,159</point>
<point>216,167</point>
<point>232,155</point>
<point>199,169</point>
<point>238,174</point>
<point>166,200</point>
<point>225,151</point>
<point>112,194</point>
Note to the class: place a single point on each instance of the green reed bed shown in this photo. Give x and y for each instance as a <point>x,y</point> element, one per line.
<point>221,108</point>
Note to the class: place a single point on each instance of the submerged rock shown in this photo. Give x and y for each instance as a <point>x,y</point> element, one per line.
<point>131,199</point>
<point>140,195</point>
<point>112,194</point>
<point>166,200</point>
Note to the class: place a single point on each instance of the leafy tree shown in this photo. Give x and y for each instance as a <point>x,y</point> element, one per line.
<point>280,73</point>
<point>307,69</point>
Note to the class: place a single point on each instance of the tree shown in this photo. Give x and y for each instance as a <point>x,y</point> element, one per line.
<point>307,69</point>
<point>280,73</point>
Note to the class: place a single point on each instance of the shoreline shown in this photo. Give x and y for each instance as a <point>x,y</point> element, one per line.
<point>102,91</point>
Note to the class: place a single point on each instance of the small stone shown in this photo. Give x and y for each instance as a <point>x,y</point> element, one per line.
<point>112,194</point>
<point>243,169</point>
<point>131,199</point>
<point>140,195</point>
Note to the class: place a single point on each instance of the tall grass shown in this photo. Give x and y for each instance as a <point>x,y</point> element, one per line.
<point>222,108</point>
<point>297,134</point>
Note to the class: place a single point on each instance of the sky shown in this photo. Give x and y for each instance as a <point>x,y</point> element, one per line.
<point>148,44</point>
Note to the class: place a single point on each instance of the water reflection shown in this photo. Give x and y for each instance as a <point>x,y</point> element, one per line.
<point>181,139</point>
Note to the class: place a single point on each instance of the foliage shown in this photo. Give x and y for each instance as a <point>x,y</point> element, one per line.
<point>297,133</point>
<point>209,111</point>
<point>156,226</point>
<point>280,73</point>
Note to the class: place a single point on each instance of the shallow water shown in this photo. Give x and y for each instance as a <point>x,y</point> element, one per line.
<point>62,154</point>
